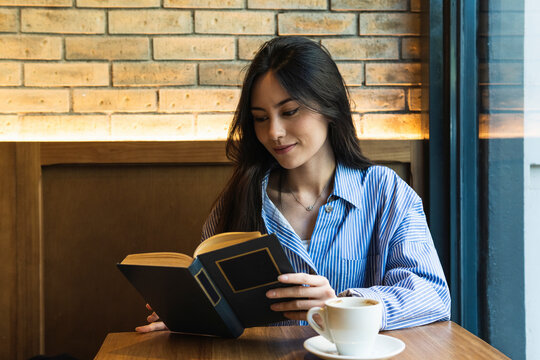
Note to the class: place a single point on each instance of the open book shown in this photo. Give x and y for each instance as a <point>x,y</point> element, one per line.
<point>220,291</point>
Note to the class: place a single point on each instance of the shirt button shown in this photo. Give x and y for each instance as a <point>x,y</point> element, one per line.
<point>328,208</point>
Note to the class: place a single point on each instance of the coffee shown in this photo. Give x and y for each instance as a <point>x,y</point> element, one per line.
<point>352,323</point>
<point>358,302</point>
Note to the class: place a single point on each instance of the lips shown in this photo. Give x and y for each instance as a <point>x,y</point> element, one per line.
<point>283,149</point>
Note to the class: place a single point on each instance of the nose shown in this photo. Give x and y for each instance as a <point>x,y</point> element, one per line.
<point>275,129</point>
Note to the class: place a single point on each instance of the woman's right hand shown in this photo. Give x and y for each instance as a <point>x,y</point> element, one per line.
<point>154,325</point>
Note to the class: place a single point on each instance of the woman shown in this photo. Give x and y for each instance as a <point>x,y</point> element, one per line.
<point>350,228</point>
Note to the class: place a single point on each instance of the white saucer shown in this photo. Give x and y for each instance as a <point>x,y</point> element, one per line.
<point>385,347</point>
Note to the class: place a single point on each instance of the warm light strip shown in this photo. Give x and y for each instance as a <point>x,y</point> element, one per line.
<point>172,127</point>
<point>187,127</point>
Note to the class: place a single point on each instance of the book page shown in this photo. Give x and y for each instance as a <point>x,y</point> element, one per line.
<point>171,259</point>
<point>223,240</point>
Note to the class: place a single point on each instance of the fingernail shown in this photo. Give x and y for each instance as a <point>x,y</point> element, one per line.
<point>283,278</point>
<point>271,294</point>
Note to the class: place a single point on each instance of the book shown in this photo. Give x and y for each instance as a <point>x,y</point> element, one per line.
<point>220,290</point>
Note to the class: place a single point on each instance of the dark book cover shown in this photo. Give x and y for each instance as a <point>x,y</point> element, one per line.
<point>220,293</point>
<point>245,272</point>
<point>176,295</point>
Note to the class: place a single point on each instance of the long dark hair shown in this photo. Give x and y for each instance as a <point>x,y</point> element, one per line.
<point>307,72</point>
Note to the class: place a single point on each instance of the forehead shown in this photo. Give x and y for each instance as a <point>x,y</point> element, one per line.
<point>267,91</point>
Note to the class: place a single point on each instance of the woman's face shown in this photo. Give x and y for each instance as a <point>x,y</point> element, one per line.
<point>292,133</point>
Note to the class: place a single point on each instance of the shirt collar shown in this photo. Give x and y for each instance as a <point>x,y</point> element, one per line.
<point>348,185</point>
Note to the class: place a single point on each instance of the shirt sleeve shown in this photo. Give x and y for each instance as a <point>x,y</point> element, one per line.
<point>414,289</point>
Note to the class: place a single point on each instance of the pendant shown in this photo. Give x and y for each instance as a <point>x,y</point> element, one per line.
<point>309,208</point>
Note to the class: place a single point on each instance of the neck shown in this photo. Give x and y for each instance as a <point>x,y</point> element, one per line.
<point>311,178</point>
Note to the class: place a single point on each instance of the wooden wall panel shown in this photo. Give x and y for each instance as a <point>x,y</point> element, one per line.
<point>96,215</point>
<point>28,237</point>
<point>201,152</point>
<point>8,251</point>
<point>20,244</point>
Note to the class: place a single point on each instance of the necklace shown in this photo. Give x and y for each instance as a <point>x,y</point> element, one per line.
<point>310,207</point>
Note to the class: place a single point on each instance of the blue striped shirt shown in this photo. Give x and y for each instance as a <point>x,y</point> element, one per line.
<point>371,240</point>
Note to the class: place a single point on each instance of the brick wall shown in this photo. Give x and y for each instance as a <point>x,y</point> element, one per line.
<point>171,69</point>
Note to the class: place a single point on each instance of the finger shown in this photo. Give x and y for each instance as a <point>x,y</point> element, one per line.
<point>296,315</point>
<point>312,292</point>
<point>296,305</point>
<point>152,318</point>
<point>149,307</point>
<point>303,279</point>
<point>155,326</point>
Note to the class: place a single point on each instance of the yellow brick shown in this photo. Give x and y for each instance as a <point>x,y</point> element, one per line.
<point>48,3</point>
<point>150,22</point>
<point>500,73</point>
<point>506,98</point>
<point>221,73</point>
<point>29,100</point>
<point>507,125</point>
<point>235,22</point>
<point>198,100</point>
<point>154,74</point>
<point>107,48</point>
<point>66,74</point>
<point>64,21</point>
<point>10,74</point>
<point>410,48</point>
<point>416,5</point>
<point>118,3</point>
<point>393,74</point>
<point>502,6</point>
<point>415,99</point>
<point>288,4</point>
<point>316,24</point>
<point>362,48</point>
<point>389,126</point>
<point>8,20</point>
<point>511,49</point>
<point>506,23</point>
<point>352,73</point>
<point>368,5</point>
<point>152,127</point>
<point>389,24</point>
<point>114,100</point>
<point>9,128</point>
<point>249,45</point>
<point>30,47</point>
<point>213,127</point>
<point>363,100</point>
<point>204,4</point>
<point>64,128</point>
<point>194,48</point>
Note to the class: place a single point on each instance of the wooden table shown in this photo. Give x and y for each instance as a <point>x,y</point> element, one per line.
<point>443,340</point>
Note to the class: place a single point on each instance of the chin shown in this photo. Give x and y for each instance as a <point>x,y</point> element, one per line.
<point>288,165</point>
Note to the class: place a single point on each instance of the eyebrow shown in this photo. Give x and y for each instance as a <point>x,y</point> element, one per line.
<point>275,106</point>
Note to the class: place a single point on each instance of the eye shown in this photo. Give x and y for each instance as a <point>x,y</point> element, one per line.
<point>259,118</point>
<point>291,112</point>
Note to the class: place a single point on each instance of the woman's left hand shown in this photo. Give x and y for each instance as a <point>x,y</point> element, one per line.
<point>317,291</point>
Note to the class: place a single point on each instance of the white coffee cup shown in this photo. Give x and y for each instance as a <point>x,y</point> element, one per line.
<point>351,323</point>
